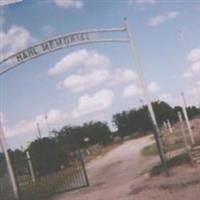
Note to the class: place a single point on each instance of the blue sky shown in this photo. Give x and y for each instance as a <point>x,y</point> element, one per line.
<point>97,80</point>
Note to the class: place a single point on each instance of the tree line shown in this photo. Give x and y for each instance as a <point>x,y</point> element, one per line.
<point>138,122</point>
<point>49,153</point>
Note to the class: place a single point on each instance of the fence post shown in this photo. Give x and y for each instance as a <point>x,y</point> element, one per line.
<point>30,166</point>
<point>184,133</point>
<point>187,119</point>
<point>169,126</point>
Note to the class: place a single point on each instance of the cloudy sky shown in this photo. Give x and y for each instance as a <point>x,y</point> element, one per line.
<point>94,81</point>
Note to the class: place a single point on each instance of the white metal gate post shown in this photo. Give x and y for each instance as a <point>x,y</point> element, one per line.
<point>187,119</point>
<point>169,126</point>
<point>139,67</point>
<point>8,162</point>
<point>30,167</point>
<point>183,132</point>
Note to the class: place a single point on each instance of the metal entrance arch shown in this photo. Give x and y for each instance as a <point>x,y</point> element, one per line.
<point>70,40</point>
<point>57,43</point>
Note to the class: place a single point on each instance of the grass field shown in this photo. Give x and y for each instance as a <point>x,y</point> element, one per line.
<point>171,142</point>
<point>175,161</point>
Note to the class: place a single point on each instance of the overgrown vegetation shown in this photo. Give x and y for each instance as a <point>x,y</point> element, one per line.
<point>152,149</point>
<point>175,161</point>
<point>170,142</point>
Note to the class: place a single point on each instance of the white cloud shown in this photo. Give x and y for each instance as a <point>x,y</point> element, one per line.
<point>15,39</point>
<point>122,75</point>
<point>82,82</point>
<point>79,83</point>
<point>83,59</point>
<point>193,93</point>
<point>7,2</point>
<point>159,19</point>
<point>194,55</point>
<point>87,105</point>
<point>2,118</point>
<point>187,74</point>
<point>192,96</point>
<point>133,90</point>
<point>196,67</point>
<point>153,87</point>
<point>171,99</point>
<point>55,116</point>
<point>194,89</point>
<point>149,2</point>
<point>92,69</point>
<point>69,3</point>
<point>48,30</point>
<point>100,101</point>
<point>24,126</point>
<point>193,59</point>
<point>192,71</point>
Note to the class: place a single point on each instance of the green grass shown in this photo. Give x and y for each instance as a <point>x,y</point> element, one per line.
<point>170,142</point>
<point>152,149</point>
<point>176,161</point>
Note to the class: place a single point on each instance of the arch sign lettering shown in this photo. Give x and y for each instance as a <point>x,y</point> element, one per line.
<point>60,42</point>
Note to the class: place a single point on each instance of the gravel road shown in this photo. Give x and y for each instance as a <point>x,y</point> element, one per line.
<point>115,176</point>
<point>112,175</point>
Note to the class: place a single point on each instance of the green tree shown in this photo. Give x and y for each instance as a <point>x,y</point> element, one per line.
<point>193,111</point>
<point>2,165</point>
<point>73,136</point>
<point>163,111</point>
<point>19,161</point>
<point>46,156</point>
<point>138,120</point>
<point>121,122</point>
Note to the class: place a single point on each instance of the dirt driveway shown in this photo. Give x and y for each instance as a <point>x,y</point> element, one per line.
<point>112,175</point>
<point>117,176</point>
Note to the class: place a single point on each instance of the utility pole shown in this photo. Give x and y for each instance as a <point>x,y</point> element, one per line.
<point>39,131</point>
<point>142,103</point>
<point>8,163</point>
<point>139,67</point>
<point>187,119</point>
<point>47,124</point>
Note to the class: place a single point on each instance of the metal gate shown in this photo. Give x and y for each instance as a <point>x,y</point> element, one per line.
<point>34,184</point>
